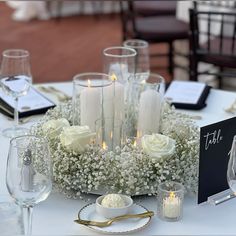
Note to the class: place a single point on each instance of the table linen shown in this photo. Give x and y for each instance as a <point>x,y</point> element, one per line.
<point>55,215</point>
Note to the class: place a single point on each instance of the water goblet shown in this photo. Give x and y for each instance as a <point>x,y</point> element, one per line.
<point>231,171</point>
<point>29,173</point>
<point>15,80</point>
<point>142,64</point>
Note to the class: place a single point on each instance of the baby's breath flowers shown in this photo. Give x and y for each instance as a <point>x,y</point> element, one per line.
<point>129,169</point>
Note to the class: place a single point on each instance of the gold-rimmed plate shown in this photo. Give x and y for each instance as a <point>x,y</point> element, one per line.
<point>88,212</point>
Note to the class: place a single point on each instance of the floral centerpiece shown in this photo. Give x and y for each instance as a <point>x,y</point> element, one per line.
<point>80,165</point>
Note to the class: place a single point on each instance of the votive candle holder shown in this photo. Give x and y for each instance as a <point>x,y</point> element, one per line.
<point>170,201</point>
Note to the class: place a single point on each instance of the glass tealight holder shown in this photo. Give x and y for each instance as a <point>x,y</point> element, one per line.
<point>109,133</point>
<point>92,98</point>
<point>170,201</point>
<point>145,106</point>
<point>119,62</point>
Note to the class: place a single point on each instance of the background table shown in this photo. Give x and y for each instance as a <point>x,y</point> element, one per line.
<point>55,215</point>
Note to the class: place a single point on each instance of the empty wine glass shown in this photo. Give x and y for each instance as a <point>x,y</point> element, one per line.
<point>231,172</point>
<point>29,174</point>
<point>142,64</point>
<point>15,81</point>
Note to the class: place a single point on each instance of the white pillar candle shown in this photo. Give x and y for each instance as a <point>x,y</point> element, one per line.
<point>171,206</point>
<point>90,106</point>
<point>114,108</point>
<point>149,112</point>
<point>121,72</point>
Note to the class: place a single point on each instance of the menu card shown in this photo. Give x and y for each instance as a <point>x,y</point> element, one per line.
<point>32,103</point>
<point>187,94</point>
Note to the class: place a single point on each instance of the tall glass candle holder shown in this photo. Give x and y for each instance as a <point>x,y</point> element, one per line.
<point>170,201</point>
<point>119,62</point>
<point>109,133</point>
<point>92,97</point>
<point>145,106</point>
<point>142,64</point>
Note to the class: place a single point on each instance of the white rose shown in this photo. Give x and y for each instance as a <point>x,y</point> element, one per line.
<point>158,145</point>
<point>75,138</point>
<point>53,128</point>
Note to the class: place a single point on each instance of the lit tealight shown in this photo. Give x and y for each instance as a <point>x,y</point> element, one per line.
<point>113,77</point>
<point>104,146</point>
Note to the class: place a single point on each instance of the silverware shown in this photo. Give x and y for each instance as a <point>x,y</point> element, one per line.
<point>59,92</point>
<point>61,96</point>
<point>195,117</point>
<point>118,218</point>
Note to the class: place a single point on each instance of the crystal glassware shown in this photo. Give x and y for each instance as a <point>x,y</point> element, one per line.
<point>29,173</point>
<point>145,106</point>
<point>142,64</point>
<point>231,171</point>
<point>109,133</point>
<point>92,98</point>
<point>15,81</point>
<point>170,201</point>
<point>119,62</point>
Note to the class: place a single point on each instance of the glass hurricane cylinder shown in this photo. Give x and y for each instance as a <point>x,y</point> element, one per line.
<point>92,98</point>
<point>145,106</point>
<point>142,64</point>
<point>170,201</point>
<point>109,133</point>
<point>119,63</point>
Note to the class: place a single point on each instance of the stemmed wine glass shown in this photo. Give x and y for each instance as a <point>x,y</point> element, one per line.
<point>15,80</point>
<point>231,172</point>
<point>29,173</point>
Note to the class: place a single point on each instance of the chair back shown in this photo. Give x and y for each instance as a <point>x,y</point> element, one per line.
<point>213,32</point>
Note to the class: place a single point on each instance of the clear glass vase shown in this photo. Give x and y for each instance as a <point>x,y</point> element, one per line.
<point>145,106</point>
<point>142,64</point>
<point>92,98</point>
<point>109,133</point>
<point>170,201</point>
<point>119,62</point>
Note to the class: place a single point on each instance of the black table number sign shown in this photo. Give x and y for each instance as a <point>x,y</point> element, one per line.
<point>215,144</point>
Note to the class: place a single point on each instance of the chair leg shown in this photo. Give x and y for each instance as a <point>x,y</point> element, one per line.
<point>171,59</point>
<point>193,68</point>
<point>220,78</point>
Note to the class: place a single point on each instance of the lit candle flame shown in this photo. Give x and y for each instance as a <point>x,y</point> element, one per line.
<point>143,82</point>
<point>139,134</point>
<point>172,195</point>
<point>104,146</point>
<point>135,143</point>
<point>113,77</point>
<point>89,83</point>
<point>111,135</point>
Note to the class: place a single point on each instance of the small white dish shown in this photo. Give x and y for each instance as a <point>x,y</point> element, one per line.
<point>131,225</point>
<point>109,212</point>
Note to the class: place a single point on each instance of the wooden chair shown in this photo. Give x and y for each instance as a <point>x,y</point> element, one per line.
<point>212,47</point>
<point>155,8</point>
<point>154,29</point>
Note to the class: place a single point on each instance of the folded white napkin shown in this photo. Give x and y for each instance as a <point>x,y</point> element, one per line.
<point>28,10</point>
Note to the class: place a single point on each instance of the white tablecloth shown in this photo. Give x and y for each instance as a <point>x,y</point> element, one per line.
<point>55,215</point>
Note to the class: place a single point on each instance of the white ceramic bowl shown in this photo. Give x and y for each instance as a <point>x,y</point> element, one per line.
<point>109,212</point>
